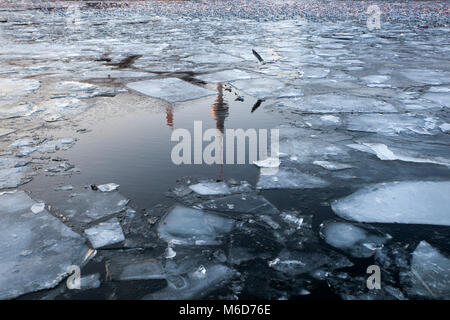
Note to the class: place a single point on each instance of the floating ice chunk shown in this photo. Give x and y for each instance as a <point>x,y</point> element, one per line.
<point>57,109</point>
<point>294,263</point>
<point>391,124</point>
<point>259,88</point>
<point>210,188</point>
<point>12,177</point>
<point>430,273</point>
<point>290,178</point>
<point>17,87</point>
<point>36,249</point>
<point>64,188</point>
<point>314,72</point>
<point>241,203</point>
<point>17,111</point>
<point>105,233</point>
<point>332,165</point>
<point>334,103</point>
<point>375,79</point>
<point>108,187</point>
<point>170,89</point>
<point>38,207</point>
<point>441,98</point>
<point>425,76</point>
<point>187,226</point>
<point>144,270</point>
<point>12,163</point>
<point>352,239</point>
<point>415,202</point>
<point>330,118</point>
<point>224,76</point>
<point>268,163</point>
<point>214,58</point>
<point>383,152</point>
<point>89,206</point>
<point>25,142</point>
<point>196,284</point>
<point>445,127</point>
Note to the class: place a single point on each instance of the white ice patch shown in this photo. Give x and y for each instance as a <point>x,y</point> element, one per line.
<point>415,202</point>
<point>267,163</point>
<point>329,165</point>
<point>187,226</point>
<point>224,76</point>
<point>170,89</point>
<point>352,239</point>
<point>210,188</point>
<point>108,187</point>
<point>334,103</point>
<point>105,233</point>
<point>259,88</point>
<point>290,178</point>
<point>430,273</point>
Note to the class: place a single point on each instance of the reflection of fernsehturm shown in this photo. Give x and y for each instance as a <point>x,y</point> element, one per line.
<point>220,113</point>
<point>169,116</point>
<point>220,109</point>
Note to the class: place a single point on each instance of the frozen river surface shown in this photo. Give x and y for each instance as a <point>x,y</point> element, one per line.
<point>90,96</point>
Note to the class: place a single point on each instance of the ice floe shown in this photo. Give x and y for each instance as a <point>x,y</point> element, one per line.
<point>352,239</point>
<point>170,89</point>
<point>210,188</point>
<point>329,165</point>
<point>290,178</point>
<point>37,249</point>
<point>187,226</point>
<point>105,233</point>
<point>429,276</point>
<point>413,202</point>
<point>241,203</point>
<point>259,88</point>
<point>224,76</point>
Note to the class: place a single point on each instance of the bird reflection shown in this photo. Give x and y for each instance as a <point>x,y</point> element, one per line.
<point>169,116</point>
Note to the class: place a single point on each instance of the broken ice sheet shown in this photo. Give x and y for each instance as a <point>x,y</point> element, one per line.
<point>290,178</point>
<point>259,88</point>
<point>433,77</point>
<point>413,202</point>
<point>170,89</point>
<point>37,249</point>
<point>422,152</point>
<point>196,284</point>
<point>91,205</point>
<point>57,109</point>
<point>12,177</point>
<point>8,111</point>
<point>314,72</point>
<point>329,165</point>
<point>224,76</point>
<point>241,203</point>
<point>336,103</point>
<point>108,187</point>
<point>429,276</point>
<point>392,124</point>
<point>187,226</point>
<point>210,188</point>
<point>105,233</point>
<point>352,239</point>
<point>294,263</point>
<point>17,87</point>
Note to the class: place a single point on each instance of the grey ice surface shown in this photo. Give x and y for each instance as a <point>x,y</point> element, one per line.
<point>224,76</point>
<point>416,202</point>
<point>89,206</point>
<point>241,203</point>
<point>37,248</point>
<point>210,188</point>
<point>429,276</point>
<point>352,239</point>
<point>290,178</point>
<point>189,226</point>
<point>196,284</point>
<point>12,177</point>
<point>170,89</point>
<point>105,233</point>
<point>259,88</point>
